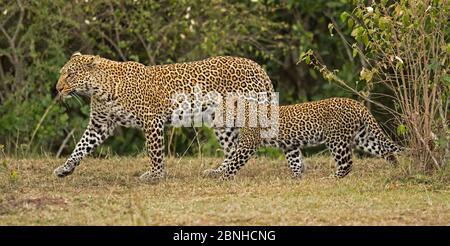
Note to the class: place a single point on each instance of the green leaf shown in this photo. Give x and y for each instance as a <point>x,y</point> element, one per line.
<point>405,19</point>
<point>402,129</point>
<point>330,28</point>
<point>344,16</point>
<point>384,22</point>
<point>354,52</point>
<point>365,39</point>
<point>350,22</point>
<point>357,32</point>
<point>308,59</point>
<point>366,74</point>
<point>354,32</point>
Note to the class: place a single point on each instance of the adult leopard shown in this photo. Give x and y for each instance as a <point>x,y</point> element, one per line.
<point>134,95</point>
<point>340,123</point>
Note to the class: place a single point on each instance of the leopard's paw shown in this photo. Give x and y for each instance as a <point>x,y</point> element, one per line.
<point>63,171</point>
<point>151,178</point>
<point>211,173</point>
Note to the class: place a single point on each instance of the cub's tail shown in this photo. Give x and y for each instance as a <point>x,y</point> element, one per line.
<point>372,139</point>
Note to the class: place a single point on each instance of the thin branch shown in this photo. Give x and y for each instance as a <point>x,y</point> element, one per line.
<point>2,73</point>
<point>7,19</point>
<point>113,44</point>
<point>199,146</point>
<point>169,144</point>
<point>5,33</point>
<point>64,143</point>
<point>19,23</point>
<point>147,49</point>
<point>184,153</point>
<point>4,53</point>
<point>347,45</point>
<point>38,126</point>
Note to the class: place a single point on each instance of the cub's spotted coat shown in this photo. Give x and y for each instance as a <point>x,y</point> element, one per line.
<point>340,123</point>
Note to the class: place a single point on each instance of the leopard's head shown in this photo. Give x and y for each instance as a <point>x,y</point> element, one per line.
<point>80,75</point>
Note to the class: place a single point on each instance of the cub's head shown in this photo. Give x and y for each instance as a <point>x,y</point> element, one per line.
<point>80,75</point>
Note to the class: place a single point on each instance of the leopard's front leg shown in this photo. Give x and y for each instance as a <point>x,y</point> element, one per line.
<point>98,130</point>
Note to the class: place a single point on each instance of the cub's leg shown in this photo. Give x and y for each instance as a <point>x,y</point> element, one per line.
<point>295,160</point>
<point>237,161</point>
<point>228,139</point>
<point>99,128</point>
<point>249,141</point>
<point>342,153</point>
<point>154,135</point>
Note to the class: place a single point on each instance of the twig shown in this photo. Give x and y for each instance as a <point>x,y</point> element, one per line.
<point>64,142</point>
<point>341,35</point>
<point>147,49</point>
<point>116,33</point>
<point>19,24</point>
<point>41,121</point>
<point>170,141</point>
<point>199,145</point>
<point>116,47</point>
<point>186,150</point>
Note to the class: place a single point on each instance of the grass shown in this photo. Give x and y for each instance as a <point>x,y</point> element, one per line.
<point>107,192</point>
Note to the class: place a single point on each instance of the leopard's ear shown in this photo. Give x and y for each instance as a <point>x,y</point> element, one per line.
<point>76,54</point>
<point>95,61</point>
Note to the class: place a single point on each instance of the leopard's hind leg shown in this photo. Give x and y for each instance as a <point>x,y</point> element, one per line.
<point>228,139</point>
<point>248,143</point>
<point>295,160</point>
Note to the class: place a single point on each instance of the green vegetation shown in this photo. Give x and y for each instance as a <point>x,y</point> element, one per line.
<point>404,48</point>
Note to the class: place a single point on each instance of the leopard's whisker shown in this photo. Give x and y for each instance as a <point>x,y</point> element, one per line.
<point>77,98</point>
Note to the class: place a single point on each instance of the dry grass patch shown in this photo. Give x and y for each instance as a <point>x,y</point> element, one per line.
<point>107,192</point>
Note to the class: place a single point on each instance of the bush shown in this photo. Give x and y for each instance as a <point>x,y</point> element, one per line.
<point>404,48</point>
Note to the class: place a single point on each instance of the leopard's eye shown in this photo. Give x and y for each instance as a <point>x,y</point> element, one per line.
<point>69,75</point>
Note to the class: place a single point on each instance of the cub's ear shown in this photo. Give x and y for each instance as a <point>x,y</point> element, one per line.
<point>95,61</point>
<point>76,54</point>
